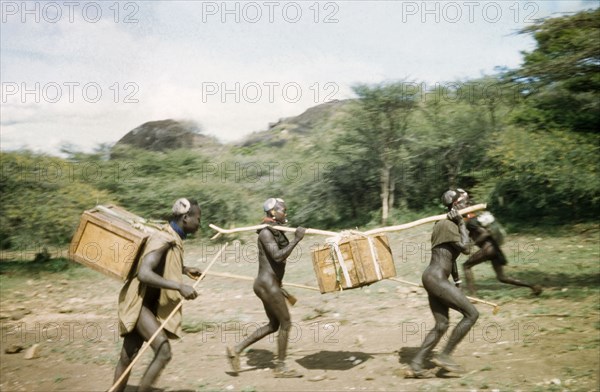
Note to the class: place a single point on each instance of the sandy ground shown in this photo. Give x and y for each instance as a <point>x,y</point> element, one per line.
<point>355,340</point>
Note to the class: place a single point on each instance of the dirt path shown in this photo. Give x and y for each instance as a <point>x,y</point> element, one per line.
<point>356,340</point>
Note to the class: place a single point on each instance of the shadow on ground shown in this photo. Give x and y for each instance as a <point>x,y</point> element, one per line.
<point>334,360</point>
<point>260,359</point>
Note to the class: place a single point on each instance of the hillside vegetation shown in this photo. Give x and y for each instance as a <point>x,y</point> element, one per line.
<point>524,140</point>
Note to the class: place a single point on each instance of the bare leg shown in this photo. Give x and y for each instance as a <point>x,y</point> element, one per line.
<point>440,314</point>
<point>146,326</point>
<point>276,310</point>
<point>283,316</point>
<point>485,253</point>
<point>453,297</point>
<point>267,329</point>
<point>499,269</point>
<point>131,345</point>
<point>279,319</point>
<point>233,353</point>
<point>458,301</point>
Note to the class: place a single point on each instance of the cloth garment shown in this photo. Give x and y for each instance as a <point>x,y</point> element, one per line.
<point>132,294</point>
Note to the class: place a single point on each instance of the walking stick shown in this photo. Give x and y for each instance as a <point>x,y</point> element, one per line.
<point>242,277</point>
<point>145,347</point>
<point>496,306</point>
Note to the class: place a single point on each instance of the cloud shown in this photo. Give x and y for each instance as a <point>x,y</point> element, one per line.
<point>179,60</point>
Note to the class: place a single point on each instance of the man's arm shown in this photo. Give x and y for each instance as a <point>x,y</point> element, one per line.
<point>463,244</point>
<point>272,249</point>
<point>146,274</point>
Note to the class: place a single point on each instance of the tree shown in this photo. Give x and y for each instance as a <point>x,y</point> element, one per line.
<point>550,175</point>
<point>562,73</point>
<point>547,160</point>
<point>377,127</point>
<point>457,128</point>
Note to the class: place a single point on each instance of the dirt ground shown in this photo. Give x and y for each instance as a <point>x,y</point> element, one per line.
<point>355,340</point>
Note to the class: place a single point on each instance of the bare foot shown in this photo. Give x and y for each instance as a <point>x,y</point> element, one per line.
<point>234,359</point>
<point>283,372</point>
<point>447,363</point>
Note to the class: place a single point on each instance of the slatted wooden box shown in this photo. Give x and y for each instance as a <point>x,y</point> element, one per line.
<point>110,240</point>
<point>357,258</point>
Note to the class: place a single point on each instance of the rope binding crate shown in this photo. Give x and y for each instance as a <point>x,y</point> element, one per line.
<point>352,260</point>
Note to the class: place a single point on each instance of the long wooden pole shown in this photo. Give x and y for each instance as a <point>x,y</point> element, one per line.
<point>404,226</point>
<point>423,221</point>
<point>242,277</point>
<point>162,326</point>
<point>258,227</point>
<point>496,306</point>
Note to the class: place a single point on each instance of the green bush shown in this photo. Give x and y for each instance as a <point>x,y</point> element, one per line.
<point>42,200</point>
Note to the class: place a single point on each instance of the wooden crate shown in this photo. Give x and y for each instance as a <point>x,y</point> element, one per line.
<point>110,240</point>
<point>358,260</point>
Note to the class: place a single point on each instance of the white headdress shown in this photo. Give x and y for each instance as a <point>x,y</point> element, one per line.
<point>181,207</point>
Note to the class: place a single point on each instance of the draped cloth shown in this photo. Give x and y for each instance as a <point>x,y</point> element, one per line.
<point>132,294</point>
<point>444,231</point>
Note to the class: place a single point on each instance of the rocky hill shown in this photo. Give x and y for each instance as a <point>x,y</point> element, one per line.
<point>320,121</point>
<point>316,122</point>
<point>166,135</point>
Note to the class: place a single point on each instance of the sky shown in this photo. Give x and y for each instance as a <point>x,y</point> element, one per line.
<point>85,73</point>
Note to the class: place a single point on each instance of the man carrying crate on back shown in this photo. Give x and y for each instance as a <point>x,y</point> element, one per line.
<point>152,293</point>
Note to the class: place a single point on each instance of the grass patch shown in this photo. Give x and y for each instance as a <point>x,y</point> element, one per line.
<point>36,266</point>
<point>564,263</point>
<point>19,268</point>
